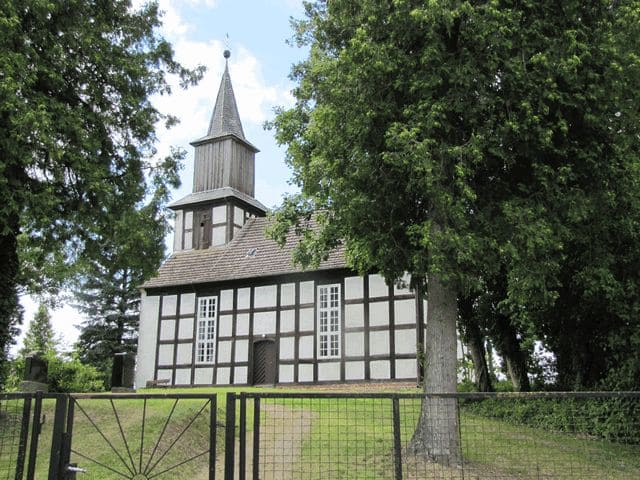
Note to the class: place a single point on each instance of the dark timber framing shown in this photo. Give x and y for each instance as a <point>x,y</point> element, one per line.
<point>277,307</point>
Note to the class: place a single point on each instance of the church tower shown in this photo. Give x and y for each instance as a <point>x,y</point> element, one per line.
<point>222,198</point>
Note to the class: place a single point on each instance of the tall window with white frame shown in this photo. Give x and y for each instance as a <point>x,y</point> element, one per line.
<point>206,334</point>
<point>329,321</point>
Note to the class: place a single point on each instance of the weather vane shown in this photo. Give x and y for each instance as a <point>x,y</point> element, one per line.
<point>227,52</point>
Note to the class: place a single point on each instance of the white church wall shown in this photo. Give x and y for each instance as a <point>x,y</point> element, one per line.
<point>203,376</point>
<point>242,324</point>
<point>405,312</point>
<point>264,323</point>
<point>223,375</point>
<point>187,304</point>
<point>406,368</point>
<point>177,232</point>
<point>285,373</point>
<point>244,297</point>
<point>240,375</point>
<point>377,325</point>
<point>165,355</point>
<point>183,376</point>
<point>169,303</point>
<point>185,328</point>
<point>380,369</point>
<point>225,326</point>
<point>307,290</point>
<point>165,374</point>
<point>307,319</point>
<point>405,341</point>
<point>224,351</point>
<point>242,349</point>
<point>329,371</point>
<point>379,342</point>
<point>287,294</point>
<point>287,321</point>
<point>226,300</point>
<point>305,372</point>
<point>167,329</point>
<point>353,288</point>
<point>354,315</point>
<point>354,344</point>
<point>145,362</point>
<point>379,314</point>
<point>377,286</point>
<point>306,346</point>
<point>354,370</point>
<point>287,346</point>
<point>265,297</point>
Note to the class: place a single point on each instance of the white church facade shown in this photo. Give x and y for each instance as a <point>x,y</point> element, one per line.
<point>229,307</point>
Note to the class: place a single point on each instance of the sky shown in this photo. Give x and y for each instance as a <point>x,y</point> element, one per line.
<point>259,66</point>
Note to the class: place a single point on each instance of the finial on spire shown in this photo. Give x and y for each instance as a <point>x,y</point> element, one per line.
<point>227,52</point>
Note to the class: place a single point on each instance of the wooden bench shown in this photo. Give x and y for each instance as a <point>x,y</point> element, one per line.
<point>158,383</point>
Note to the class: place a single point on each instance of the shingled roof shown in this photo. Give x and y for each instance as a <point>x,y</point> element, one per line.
<point>249,255</point>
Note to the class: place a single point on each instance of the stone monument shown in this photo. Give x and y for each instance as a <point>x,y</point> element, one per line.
<point>122,372</point>
<point>35,373</point>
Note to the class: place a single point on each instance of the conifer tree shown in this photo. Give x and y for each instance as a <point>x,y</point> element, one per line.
<point>39,336</point>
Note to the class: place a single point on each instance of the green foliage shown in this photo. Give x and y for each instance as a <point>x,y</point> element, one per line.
<point>71,375</point>
<point>129,250</point>
<point>78,132</point>
<point>611,419</point>
<point>39,336</point>
<point>67,374</point>
<point>468,139</point>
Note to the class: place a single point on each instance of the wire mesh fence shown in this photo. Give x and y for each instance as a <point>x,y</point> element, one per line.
<point>465,436</point>
<point>14,423</point>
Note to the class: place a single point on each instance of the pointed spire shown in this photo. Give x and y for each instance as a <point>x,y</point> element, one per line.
<point>225,119</point>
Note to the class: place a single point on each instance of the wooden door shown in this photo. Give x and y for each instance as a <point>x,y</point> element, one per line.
<point>264,362</point>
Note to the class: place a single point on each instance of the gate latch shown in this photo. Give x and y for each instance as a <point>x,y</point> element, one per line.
<point>76,469</point>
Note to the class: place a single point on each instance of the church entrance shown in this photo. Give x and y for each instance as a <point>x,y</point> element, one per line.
<point>264,362</point>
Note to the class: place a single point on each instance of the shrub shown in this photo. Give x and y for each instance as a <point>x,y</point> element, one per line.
<point>613,419</point>
<point>71,375</point>
<point>66,375</point>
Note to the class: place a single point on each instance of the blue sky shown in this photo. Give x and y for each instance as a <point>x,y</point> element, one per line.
<point>259,67</point>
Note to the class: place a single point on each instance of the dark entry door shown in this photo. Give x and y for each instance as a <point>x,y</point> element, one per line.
<point>264,362</point>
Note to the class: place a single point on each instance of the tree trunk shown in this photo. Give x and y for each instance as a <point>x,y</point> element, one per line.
<point>9,307</point>
<point>474,340</point>
<point>508,346</point>
<point>437,435</point>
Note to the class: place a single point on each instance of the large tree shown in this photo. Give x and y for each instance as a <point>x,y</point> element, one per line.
<point>76,130</point>
<point>452,140</point>
<point>39,336</point>
<point>128,252</point>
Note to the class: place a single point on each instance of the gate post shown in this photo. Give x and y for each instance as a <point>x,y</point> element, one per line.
<point>230,436</point>
<point>24,436</point>
<point>56,464</point>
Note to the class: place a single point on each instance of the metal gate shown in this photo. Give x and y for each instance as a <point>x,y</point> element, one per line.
<point>22,416</point>
<point>131,436</point>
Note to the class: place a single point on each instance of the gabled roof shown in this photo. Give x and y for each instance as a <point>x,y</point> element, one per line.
<point>218,193</point>
<point>249,255</point>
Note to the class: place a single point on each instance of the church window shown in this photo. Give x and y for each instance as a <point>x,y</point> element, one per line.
<point>206,335</point>
<point>329,321</point>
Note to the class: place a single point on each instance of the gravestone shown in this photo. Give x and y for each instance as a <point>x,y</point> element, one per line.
<point>122,372</point>
<point>35,373</point>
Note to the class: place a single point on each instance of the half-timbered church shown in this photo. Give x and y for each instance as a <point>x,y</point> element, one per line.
<point>229,306</point>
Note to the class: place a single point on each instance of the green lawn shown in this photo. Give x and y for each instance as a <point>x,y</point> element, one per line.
<point>327,438</point>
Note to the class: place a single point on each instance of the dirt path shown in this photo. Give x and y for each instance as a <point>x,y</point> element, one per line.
<point>283,431</point>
